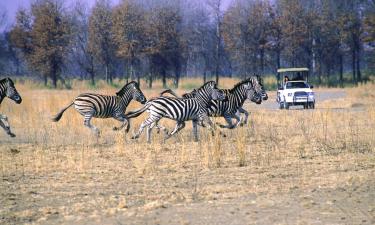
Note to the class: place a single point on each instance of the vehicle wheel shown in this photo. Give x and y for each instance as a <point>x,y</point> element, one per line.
<point>281,105</point>
<point>306,106</point>
<point>312,105</point>
<point>286,105</point>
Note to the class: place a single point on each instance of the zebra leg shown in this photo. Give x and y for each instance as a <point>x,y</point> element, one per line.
<point>88,124</point>
<point>5,125</point>
<point>179,126</point>
<point>148,132</point>
<point>211,125</point>
<point>195,130</point>
<point>159,128</point>
<point>147,123</point>
<point>228,119</point>
<point>124,122</point>
<point>238,118</point>
<point>241,110</point>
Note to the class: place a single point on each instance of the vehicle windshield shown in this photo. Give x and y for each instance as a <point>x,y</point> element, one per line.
<point>291,85</point>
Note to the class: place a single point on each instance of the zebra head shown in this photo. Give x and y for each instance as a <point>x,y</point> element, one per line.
<point>10,91</point>
<point>209,91</point>
<point>257,83</point>
<point>134,91</point>
<point>253,96</point>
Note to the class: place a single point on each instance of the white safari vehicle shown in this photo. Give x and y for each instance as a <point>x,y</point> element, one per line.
<point>293,88</point>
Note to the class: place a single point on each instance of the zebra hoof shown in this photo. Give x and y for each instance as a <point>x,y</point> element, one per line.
<point>115,128</point>
<point>11,135</point>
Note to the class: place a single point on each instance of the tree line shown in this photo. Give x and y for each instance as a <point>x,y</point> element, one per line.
<point>169,39</point>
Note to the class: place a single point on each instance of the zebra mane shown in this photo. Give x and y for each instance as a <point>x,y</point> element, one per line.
<point>7,79</point>
<point>123,89</point>
<point>207,83</point>
<point>247,80</point>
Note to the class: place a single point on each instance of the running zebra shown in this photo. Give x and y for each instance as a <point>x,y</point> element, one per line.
<point>7,89</point>
<point>250,88</point>
<point>103,106</point>
<point>180,110</point>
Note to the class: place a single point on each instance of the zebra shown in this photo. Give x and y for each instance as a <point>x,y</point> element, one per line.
<point>180,110</point>
<point>250,88</point>
<point>103,106</point>
<point>7,89</point>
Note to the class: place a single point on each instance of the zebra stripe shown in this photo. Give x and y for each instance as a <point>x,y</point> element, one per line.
<point>104,106</point>
<point>179,109</point>
<point>7,89</point>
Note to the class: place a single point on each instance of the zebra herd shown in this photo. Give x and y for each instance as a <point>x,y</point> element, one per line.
<point>197,106</point>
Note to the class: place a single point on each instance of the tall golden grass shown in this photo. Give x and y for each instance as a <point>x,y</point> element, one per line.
<point>278,150</point>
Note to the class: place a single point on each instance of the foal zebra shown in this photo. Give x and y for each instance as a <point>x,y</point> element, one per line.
<point>103,106</point>
<point>180,110</point>
<point>7,89</point>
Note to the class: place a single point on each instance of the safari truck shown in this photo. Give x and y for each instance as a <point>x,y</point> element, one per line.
<point>294,89</point>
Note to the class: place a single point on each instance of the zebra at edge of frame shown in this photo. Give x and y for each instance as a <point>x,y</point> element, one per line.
<point>7,89</point>
<point>180,110</point>
<point>103,106</point>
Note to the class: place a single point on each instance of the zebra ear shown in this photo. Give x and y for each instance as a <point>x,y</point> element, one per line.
<point>10,82</point>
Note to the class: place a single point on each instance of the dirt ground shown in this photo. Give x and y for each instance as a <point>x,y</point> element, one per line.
<point>253,176</point>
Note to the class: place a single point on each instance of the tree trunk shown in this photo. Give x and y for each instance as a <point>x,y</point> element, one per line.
<point>278,59</point>
<point>54,80</point>
<point>45,80</point>
<point>177,80</point>
<point>320,71</point>
<point>106,73</point>
<point>341,71</point>
<point>164,78</point>
<point>204,76</point>
<point>150,81</point>
<point>353,65</point>
<point>262,61</point>
<point>358,67</point>
<point>92,75</point>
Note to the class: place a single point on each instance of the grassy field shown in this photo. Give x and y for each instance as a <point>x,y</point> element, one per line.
<point>284,167</point>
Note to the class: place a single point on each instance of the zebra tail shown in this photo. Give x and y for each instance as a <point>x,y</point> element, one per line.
<point>138,112</point>
<point>169,91</point>
<point>59,115</point>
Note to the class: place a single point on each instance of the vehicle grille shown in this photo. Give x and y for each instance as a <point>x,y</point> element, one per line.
<point>300,94</point>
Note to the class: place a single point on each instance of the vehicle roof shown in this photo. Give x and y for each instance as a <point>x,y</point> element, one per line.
<point>283,70</point>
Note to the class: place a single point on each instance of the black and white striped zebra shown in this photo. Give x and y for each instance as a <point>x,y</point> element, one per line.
<point>7,89</point>
<point>104,106</point>
<point>180,110</point>
<point>250,88</point>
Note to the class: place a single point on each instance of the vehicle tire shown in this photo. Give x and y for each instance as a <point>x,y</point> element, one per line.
<point>312,105</point>
<point>286,105</point>
<point>281,105</point>
<point>306,106</point>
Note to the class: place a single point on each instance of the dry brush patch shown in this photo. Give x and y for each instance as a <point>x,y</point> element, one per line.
<point>60,171</point>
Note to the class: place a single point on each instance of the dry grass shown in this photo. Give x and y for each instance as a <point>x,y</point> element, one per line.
<point>59,171</point>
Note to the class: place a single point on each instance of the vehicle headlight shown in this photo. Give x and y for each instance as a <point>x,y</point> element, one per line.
<point>290,94</point>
